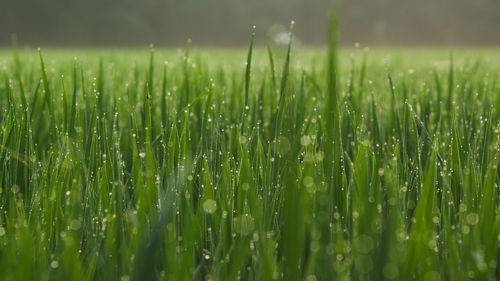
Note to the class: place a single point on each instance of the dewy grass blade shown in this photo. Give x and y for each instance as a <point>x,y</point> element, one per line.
<point>332,138</point>
<point>248,64</point>
<point>204,170</point>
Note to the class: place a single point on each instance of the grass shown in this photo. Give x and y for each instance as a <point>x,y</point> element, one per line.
<point>296,164</point>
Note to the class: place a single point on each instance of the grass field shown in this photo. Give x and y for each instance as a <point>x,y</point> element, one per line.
<point>228,165</point>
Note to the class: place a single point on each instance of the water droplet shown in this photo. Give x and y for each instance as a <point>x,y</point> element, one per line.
<point>472,218</point>
<point>282,145</point>
<point>363,263</point>
<point>209,206</point>
<point>380,172</point>
<point>390,271</point>
<point>305,140</point>
<point>309,184</point>
<point>364,243</point>
<point>320,155</point>
<point>75,224</point>
<point>244,224</point>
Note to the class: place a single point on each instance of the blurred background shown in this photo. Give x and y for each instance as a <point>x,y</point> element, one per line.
<point>228,22</point>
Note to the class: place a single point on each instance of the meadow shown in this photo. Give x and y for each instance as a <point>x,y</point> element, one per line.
<point>258,164</point>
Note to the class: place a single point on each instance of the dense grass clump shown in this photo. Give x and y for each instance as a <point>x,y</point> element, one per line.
<point>379,165</point>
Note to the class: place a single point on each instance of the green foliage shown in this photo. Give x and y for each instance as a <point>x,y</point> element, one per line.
<point>209,170</point>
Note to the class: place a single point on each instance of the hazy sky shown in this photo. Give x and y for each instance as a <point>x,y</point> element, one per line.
<point>228,22</point>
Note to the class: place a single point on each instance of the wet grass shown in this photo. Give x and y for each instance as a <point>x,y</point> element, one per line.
<point>294,164</point>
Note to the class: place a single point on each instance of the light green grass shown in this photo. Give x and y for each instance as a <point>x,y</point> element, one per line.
<point>117,166</point>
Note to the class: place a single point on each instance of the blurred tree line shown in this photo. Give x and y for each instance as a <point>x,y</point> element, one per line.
<point>228,22</point>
